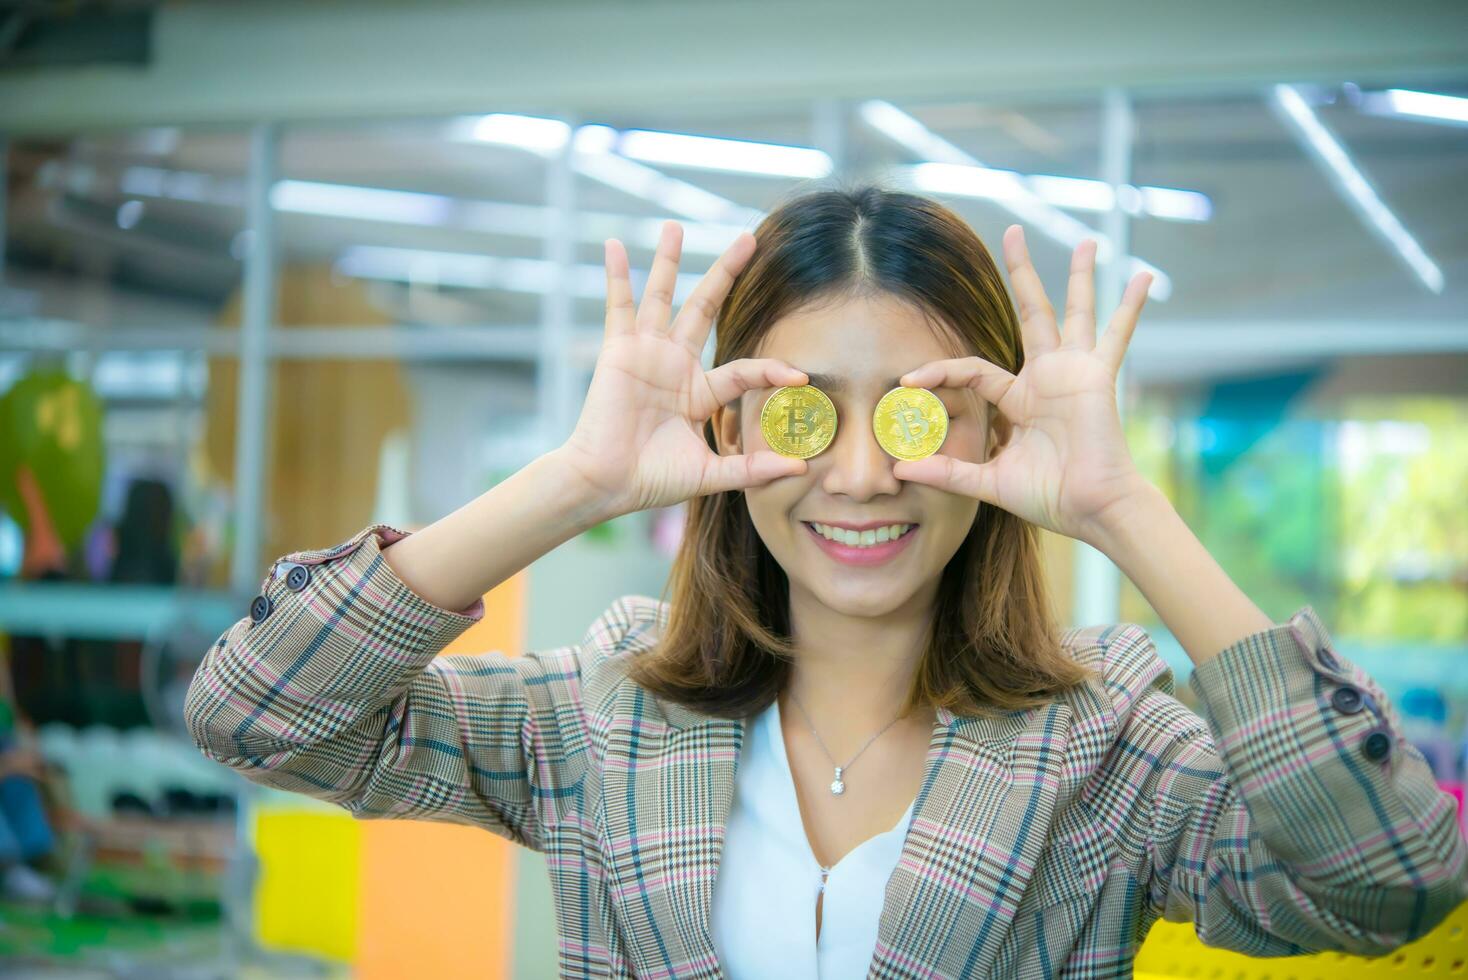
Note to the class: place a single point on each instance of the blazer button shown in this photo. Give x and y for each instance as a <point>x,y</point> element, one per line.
<point>297,577</point>
<point>1347,700</point>
<point>1376,746</point>
<point>259,608</point>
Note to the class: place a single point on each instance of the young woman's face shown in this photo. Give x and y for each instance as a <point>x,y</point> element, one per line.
<point>866,343</point>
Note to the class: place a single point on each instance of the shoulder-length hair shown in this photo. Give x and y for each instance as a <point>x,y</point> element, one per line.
<point>993,643</point>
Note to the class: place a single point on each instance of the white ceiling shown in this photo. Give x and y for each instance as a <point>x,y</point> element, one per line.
<point>1282,247</point>
<point>1281,243</point>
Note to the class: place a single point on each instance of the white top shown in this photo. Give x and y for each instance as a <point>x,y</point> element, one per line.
<point>764,902</point>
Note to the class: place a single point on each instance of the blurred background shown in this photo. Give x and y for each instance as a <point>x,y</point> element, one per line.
<point>273,271</point>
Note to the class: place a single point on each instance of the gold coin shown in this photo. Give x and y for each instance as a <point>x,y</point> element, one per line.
<point>798,421</point>
<point>910,423</point>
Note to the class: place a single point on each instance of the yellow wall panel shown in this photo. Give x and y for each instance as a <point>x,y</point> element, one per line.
<point>306,897</point>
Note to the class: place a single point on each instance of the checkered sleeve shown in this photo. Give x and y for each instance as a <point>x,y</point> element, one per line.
<point>1293,816</point>
<point>332,688</point>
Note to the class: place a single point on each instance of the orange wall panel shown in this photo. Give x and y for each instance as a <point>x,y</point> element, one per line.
<point>437,900</point>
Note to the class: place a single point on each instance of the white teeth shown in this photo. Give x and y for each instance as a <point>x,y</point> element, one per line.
<point>862,539</point>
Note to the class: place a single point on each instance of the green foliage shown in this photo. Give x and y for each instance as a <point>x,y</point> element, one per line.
<point>1357,508</point>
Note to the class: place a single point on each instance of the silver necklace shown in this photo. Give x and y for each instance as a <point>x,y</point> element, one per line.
<point>838,785</point>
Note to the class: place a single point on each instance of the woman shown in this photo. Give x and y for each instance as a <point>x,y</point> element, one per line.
<point>864,758</point>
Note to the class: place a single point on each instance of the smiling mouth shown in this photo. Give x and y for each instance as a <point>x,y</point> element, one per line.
<point>861,540</point>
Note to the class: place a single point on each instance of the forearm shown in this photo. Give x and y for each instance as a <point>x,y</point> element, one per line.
<point>458,558</point>
<point>1197,601</point>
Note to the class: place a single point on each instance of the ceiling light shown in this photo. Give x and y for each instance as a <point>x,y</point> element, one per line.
<point>1428,104</point>
<point>370,203</point>
<point>952,170</point>
<point>527,132</point>
<point>1292,108</point>
<point>711,153</point>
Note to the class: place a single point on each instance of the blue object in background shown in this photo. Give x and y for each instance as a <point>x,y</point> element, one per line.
<point>24,833</point>
<point>1240,412</point>
<point>1424,714</point>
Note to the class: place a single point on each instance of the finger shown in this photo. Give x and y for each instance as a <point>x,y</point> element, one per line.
<point>1080,298</point>
<point>691,327</point>
<point>1113,343</point>
<point>621,310</point>
<point>657,295</point>
<point>728,381</point>
<point>745,470</point>
<point>949,474</point>
<point>1036,315</point>
<point>990,380</point>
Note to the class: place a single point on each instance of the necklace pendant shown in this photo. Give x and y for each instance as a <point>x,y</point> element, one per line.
<point>837,786</point>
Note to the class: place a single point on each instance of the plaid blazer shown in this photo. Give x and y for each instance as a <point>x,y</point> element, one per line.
<point>1043,842</point>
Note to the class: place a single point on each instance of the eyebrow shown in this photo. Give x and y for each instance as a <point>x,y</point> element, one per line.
<point>835,382</point>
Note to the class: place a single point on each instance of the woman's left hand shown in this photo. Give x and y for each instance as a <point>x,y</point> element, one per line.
<point>1065,465</point>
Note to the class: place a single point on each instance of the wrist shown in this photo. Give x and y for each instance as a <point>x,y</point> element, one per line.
<point>1123,524</point>
<point>589,504</point>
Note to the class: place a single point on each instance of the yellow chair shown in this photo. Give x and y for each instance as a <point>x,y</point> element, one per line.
<point>1172,950</point>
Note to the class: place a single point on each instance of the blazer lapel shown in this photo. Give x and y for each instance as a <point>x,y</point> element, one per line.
<point>667,788</point>
<point>978,827</point>
<point>977,830</point>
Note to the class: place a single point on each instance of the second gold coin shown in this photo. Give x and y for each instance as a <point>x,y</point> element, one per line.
<point>910,423</point>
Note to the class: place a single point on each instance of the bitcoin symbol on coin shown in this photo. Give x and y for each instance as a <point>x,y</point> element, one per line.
<point>910,423</point>
<point>798,421</point>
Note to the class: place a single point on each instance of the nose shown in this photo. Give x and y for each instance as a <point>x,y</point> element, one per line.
<point>855,464</point>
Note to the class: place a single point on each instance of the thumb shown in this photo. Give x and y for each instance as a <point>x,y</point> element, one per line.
<point>740,471</point>
<point>952,475</point>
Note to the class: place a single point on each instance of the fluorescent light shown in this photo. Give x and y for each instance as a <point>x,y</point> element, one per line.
<point>181,185</point>
<point>907,131</point>
<point>481,217</point>
<point>593,159</point>
<point>965,181</point>
<point>593,138</point>
<point>1177,205</point>
<point>1126,197</point>
<point>712,153</point>
<point>474,271</point>
<point>533,133</point>
<point>1006,189</point>
<point>545,136</point>
<point>952,170</point>
<point>369,203</point>
<point>1080,193</point>
<point>1353,185</point>
<point>148,181</point>
<point>1428,104</point>
<point>1075,193</point>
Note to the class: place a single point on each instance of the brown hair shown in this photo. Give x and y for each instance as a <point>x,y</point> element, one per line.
<point>993,644</point>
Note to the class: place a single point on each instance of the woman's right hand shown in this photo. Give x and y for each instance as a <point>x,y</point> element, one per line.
<point>639,441</point>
